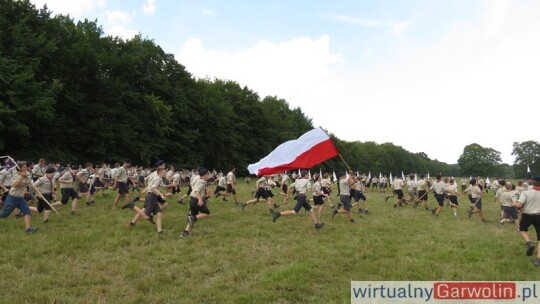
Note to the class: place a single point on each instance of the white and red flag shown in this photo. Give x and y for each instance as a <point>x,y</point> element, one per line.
<point>308,150</point>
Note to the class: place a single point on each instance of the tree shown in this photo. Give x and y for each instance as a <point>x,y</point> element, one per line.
<point>527,154</point>
<point>477,160</point>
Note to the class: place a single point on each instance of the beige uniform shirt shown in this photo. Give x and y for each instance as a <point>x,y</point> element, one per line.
<point>21,189</point>
<point>66,180</point>
<point>45,185</point>
<point>531,201</point>
<point>200,187</point>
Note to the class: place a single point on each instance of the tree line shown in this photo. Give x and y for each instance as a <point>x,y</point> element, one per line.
<point>70,93</point>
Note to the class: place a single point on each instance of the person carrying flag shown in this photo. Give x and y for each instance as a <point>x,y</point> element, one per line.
<point>302,186</point>
<point>15,198</point>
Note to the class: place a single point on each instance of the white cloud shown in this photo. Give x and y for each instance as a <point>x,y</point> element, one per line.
<point>473,86</point>
<point>119,23</point>
<point>74,8</point>
<point>208,12</point>
<point>477,84</point>
<point>396,27</point>
<point>150,7</point>
<point>296,69</point>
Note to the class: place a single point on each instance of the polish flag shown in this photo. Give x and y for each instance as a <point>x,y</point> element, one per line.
<point>310,149</point>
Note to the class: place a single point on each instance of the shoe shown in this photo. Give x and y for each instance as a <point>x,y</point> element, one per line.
<point>433,211</point>
<point>360,211</point>
<point>73,212</point>
<point>131,224</point>
<point>352,220</point>
<point>45,221</point>
<point>160,232</point>
<point>530,248</point>
<point>217,195</point>
<point>469,213</point>
<point>129,205</point>
<point>225,200</point>
<point>151,220</point>
<point>366,212</point>
<point>484,220</point>
<point>32,230</point>
<point>276,206</point>
<point>243,206</point>
<point>184,234</point>
<point>19,215</point>
<point>500,224</point>
<point>191,221</point>
<point>275,216</point>
<point>415,204</point>
<point>338,206</point>
<point>181,201</point>
<point>536,262</point>
<point>88,204</point>
<point>395,205</point>
<point>319,226</point>
<point>334,213</point>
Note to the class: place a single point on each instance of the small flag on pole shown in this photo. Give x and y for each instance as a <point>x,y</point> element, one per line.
<point>9,164</point>
<point>528,169</point>
<point>369,176</point>
<point>391,179</point>
<point>334,175</point>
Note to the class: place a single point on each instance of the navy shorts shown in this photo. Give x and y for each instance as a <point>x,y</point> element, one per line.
<point>151,205</point>
<point>530,219</point>
<point>230,189</point>
<point>68,193</point>
<point>83,188</point>
<point>422,195</point>
<point>318,200</point>
<point>399,193</point>
<point>42,205</point>
<point>510,212</point>
<point>346,201</point>
<point>123,188</point>
<point>477,202</point>
<point>358,195</point>
<point>453,199</point>
<point>261,192</point>
<point>301,201</point>
<point>440,199</point>
<point>194,208</point>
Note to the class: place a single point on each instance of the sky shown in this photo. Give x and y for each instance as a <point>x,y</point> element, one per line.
<point>429,76</point>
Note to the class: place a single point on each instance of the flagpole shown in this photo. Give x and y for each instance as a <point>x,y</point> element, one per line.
<point>338,153</point>
<point>35,189</point>
<point>345,162</point>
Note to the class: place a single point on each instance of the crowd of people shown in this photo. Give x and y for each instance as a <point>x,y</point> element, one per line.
<point>31,188</point>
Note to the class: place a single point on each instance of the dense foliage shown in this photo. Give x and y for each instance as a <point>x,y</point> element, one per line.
<point>70,93</point>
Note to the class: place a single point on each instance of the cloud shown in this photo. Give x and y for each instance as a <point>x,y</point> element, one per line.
<point>298,69</point>
<point>150,7</point>
<point>396,27</point>
<point>74,8</point>
<point>483,75</point>
<point>119,23</point>
<point>208,12</point>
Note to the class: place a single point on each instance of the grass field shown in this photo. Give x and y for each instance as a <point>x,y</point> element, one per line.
<point>240,256</point>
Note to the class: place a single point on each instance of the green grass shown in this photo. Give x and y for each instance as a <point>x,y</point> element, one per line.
<point>240,256</point>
